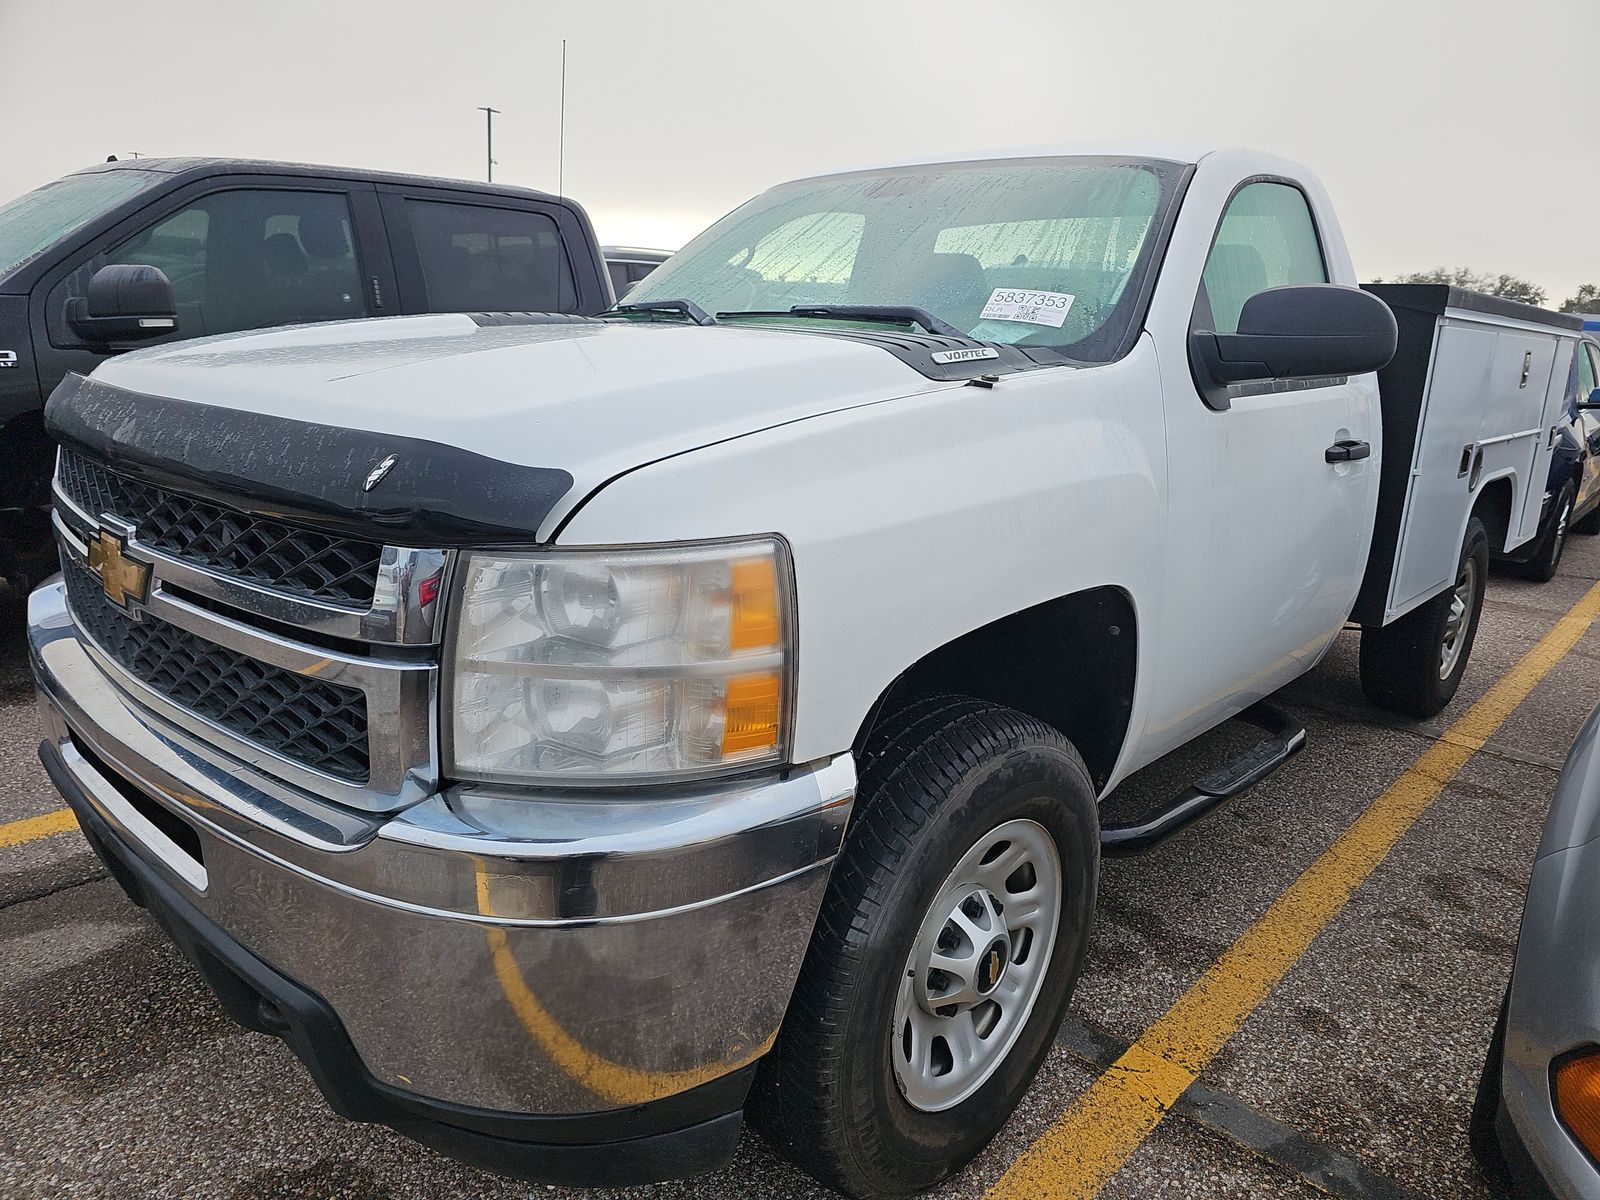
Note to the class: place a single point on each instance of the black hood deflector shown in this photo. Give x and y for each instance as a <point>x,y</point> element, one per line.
<point>433,495</point>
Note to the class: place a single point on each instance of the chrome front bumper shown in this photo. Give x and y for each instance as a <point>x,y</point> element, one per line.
<point>517,952</point>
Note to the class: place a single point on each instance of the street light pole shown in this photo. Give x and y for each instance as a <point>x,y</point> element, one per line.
<point>488,117</point>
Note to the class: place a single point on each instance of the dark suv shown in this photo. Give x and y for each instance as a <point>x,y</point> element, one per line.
<point>245,245</point>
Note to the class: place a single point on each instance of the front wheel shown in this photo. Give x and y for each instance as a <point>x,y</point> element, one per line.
<point>14,578</point>
<point>1486,1105</point>
<point>1414,665</point>
<point>947,948</point>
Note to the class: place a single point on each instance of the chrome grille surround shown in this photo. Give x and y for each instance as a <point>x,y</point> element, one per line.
<point>398,687</point>
<point>395,614</point>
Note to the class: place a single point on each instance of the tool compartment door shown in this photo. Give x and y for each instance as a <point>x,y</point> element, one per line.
<point>1438,498</point>
<point>1551,417</point>
<point>1515,434</point>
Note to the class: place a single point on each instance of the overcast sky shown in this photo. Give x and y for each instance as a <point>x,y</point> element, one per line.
<point>1460,132</point>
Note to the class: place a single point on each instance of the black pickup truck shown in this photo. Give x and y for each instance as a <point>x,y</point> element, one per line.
<point>245,245</point>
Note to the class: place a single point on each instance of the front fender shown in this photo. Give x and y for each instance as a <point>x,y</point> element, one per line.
<point>918,520</point>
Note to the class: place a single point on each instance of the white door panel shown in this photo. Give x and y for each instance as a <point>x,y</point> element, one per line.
<point>1267,545</point>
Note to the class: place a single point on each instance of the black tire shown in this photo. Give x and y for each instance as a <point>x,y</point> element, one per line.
<point>1402,663</point>
<point>15,581</point>
<point>937,778</point>
<point>1542,565</point>
<point>1589,526</point>
<point>1486,1109</point>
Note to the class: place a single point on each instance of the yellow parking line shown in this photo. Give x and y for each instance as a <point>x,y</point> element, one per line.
<point>32,828</point>
<point>1078,1154</point>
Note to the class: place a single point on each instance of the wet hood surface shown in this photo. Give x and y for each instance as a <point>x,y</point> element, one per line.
<point>494,428</point>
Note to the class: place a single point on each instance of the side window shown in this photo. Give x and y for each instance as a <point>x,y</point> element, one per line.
<point>1586,371</point>
<point>251,259</point>
<point>477,259</point>
<point>1266,239</point>
<point>178,246</point>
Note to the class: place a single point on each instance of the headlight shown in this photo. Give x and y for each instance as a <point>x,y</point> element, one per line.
<point>620,666</point>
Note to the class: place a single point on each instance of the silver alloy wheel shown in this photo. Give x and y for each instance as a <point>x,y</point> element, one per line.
<point>977,966</point>
<point>1561,526</point>
<point>1455,625</point>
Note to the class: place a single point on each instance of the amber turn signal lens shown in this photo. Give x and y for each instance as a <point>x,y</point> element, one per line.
<point>754,624</point>
<point>1578,1099</point>
<point>750,716</point>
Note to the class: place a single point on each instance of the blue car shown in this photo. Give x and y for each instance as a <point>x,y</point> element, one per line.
<point>1572,493</point>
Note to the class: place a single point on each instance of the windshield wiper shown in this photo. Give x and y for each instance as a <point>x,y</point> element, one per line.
<point>908,314</point>
<point>687,307</point>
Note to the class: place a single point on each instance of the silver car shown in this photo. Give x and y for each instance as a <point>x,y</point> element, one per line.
<point>1536,1123</point>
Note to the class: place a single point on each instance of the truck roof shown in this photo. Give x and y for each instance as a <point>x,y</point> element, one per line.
<point>1167,151</point>
<point>178,167</point>
<point>648,253</point>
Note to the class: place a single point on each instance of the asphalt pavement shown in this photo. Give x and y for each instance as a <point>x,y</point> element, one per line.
<point>1353,1076</point>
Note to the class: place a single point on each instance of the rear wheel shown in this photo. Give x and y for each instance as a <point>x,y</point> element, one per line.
<point>949,942</point>
<point>1590,524</point>
<point>1414,666</point>
<point>1542,566</point>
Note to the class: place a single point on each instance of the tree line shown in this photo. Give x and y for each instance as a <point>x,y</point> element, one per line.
<point>1585,300</point>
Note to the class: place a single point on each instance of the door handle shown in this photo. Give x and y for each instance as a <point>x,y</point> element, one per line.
<point>1347,450</point>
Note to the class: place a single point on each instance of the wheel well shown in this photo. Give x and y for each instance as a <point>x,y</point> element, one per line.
<point>1070,662</point>
<point>1493,508</point>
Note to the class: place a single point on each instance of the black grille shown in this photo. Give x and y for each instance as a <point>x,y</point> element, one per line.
<point>319,724</point>
<point>261,550</point>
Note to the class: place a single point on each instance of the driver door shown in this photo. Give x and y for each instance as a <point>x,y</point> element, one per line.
<point>1268,540</point>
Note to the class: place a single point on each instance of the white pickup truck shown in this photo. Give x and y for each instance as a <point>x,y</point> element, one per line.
<point>563,731</point>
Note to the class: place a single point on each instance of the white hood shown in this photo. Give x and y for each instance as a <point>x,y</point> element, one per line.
<point>592,399</point>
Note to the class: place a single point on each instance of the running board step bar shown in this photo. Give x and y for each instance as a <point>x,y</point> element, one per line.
<point>1285,738</point>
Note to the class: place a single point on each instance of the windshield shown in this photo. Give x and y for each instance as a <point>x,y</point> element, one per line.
<point>1035,252</point>
<point>36,220</point>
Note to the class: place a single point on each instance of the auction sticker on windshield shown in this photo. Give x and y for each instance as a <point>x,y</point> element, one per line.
<point>1036,308</point>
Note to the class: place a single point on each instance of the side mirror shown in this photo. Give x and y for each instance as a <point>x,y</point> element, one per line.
<point>1593,401</point>
<point>1300,332</point>
<point>126,303</point>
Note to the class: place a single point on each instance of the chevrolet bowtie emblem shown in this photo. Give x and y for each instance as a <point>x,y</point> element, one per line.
<point>121,578</point>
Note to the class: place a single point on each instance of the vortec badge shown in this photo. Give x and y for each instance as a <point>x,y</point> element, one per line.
<point>121,578</point>
<point>955,356</point>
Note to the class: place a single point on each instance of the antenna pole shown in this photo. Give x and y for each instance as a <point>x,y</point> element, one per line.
<point>561,132</point>
<point>488,117</point>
